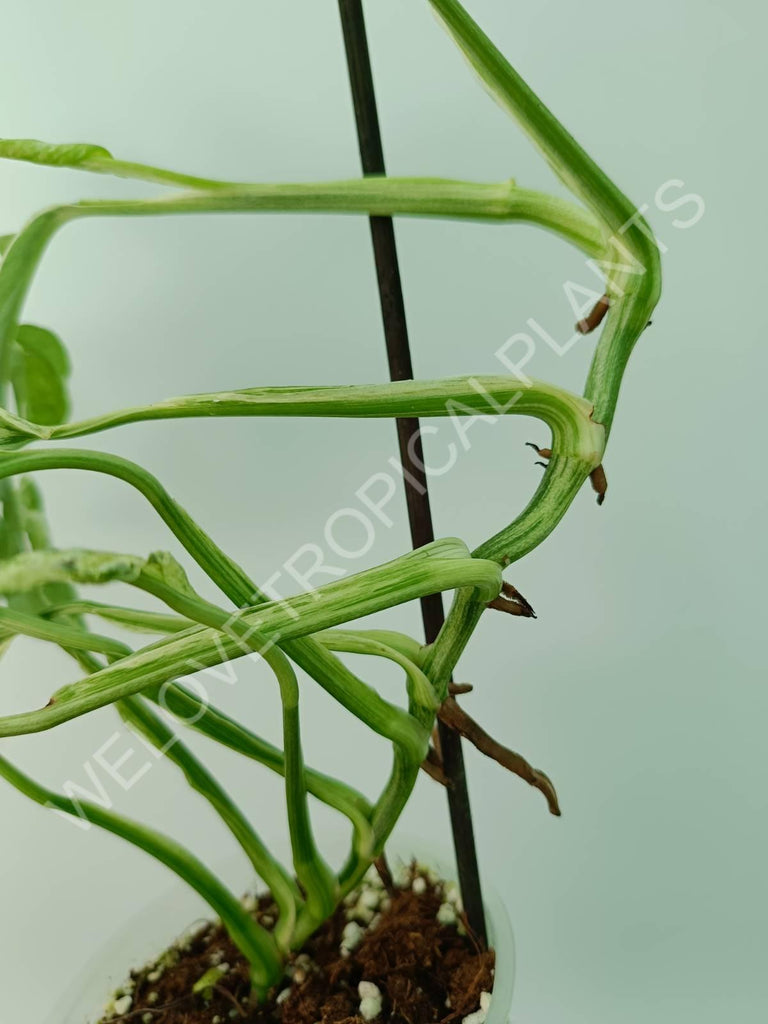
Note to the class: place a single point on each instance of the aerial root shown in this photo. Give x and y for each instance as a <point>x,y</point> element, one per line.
<point>433,766</point>
<point>599,483</point>
<point>597,476</point>
<point>457,719</point>
<point>595,317</point>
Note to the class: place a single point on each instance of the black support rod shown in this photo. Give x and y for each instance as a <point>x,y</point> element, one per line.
<point>409,436</point>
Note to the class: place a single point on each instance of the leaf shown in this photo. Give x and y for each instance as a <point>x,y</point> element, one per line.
<point>204,986</point>
<point>5,243</point>
<point>39,373</point>
<point>71,154</point>
<point>33,569</point>
<point>162,566</point>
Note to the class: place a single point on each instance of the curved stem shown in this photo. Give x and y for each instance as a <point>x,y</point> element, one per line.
<point>12,621</point>
<point>129,618</point>
<point>136,713</point>
<point>255,943</point>
<point>490,396</point>
<point>423,701</point>
<point>633,264</point>
<point>313,874</point>
<point>209,721</point>
<point>427,570</point>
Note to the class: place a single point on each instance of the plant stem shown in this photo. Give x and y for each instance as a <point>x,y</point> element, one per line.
<point>284,891</point>
<point>254,942</point>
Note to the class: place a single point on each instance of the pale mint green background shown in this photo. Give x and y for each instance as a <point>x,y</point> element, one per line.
<point>641,686</point>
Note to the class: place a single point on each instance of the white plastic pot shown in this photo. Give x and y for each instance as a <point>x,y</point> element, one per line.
<point>155,927</point>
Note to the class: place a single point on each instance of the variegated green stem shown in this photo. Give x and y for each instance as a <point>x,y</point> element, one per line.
<point>436,198</point>
<point>80,644</point>
<point>562,481</point>
<point>488,396</point>
<point>208,720</point>
<point>632,264</point>
<point>255,943</point>
<point>228,576</point>
<point>315,877</point>
<point>443,565</point>
<point>12,539</point>
<point>319,663</point>
<point>400,642</point>
<point>24,624</point>
<point>129,618</point>
<point>287,897</point>
<point>634,277</point>
<point>343,685</point>
<point>423,702</point>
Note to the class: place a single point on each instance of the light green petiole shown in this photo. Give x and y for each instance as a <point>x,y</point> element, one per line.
<point>208,720</point>
<point>254,942</point>
<point>423,701</point>
<point>568,416</point>
<point>443,565</point>
<point>137,714</point>
<point>630,241</point>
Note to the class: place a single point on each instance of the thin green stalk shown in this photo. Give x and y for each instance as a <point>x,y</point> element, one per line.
<point>493,396</point>
<point>492,200</point>
<point>209,721</point>
<point>632,259</point>
<point>314,875</point>
<point>254,942</point>
<point>137,714</point>
<point>320,664</point>
<point>228,576</point>
<point>411,649</point>
<point>439,566</point>
<point>423,702</point>
<point>12,621</point>
<point>129,618</point>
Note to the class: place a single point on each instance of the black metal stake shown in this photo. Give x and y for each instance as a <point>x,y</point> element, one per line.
<point>409,437</point>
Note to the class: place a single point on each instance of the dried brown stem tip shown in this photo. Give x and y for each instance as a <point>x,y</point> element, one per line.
<point>545,453</point>
<point>511,601</point>
<point>457,689</point>
<point>382,867</point>
<point>599,483</point>
<point>455,717</point>
<point>595,317</point>
<point>433,766</point>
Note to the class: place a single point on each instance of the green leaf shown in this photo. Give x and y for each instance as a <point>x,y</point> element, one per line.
<point>39,372</point>
<point>162,566</point>
<point>70,154</point>
<point>204,985</point>
<point>33,569</point>
<point>5,243</point>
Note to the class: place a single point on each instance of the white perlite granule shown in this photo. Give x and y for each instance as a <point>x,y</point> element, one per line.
<point>350,937</point>
<point>478,1017</point>
<point>370,1000</point>
<point>122,1005</point>
<point>446,913</point>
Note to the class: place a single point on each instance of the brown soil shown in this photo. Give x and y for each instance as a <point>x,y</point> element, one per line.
<point>426,972</point>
